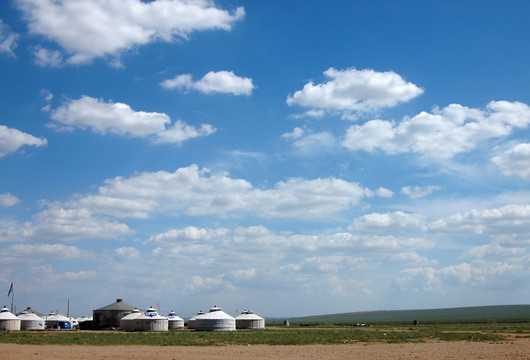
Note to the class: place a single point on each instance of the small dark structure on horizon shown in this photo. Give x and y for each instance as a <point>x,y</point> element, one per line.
<point>109,316</point>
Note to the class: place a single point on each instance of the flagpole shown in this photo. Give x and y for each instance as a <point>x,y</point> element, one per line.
<point>12,298</point>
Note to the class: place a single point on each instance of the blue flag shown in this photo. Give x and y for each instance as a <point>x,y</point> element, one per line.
<point>10,290</point>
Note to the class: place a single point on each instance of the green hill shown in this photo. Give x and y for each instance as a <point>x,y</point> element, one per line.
<point>467,314</point>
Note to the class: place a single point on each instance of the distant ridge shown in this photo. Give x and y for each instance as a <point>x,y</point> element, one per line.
<point>474,313</point>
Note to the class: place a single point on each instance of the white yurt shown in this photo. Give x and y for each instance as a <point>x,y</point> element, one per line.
<point>191,321</point>
<point>174,321</point>
<point>215,320</point>
<point>8,321</point>
<point>31,321</point>
<point>129,322</point>
<point>249,320</point>
<point>152,321</point>
<point>58,321</point>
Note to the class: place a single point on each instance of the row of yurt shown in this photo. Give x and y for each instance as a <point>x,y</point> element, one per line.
<point>174,321</point>
<point>215,320</point>
<point>249,320</point>
<point>8,321</point>
<point>148,321</point>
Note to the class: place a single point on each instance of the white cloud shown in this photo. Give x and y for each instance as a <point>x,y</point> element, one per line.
<point>384,193</point>
<point>494,250</point>
<point>388,222</point>
<point>295,134</point>
<point>59,225</point>
<point>187,234</point>
<point>416,192</point>
<point>322,142</point>
<point>47,57</point>
<point>90,29</point>
<point>457,274</point>
<point>46,251</point>
<point>442,134</point>
<point>213,82</point>
<point>198,192</point>
<point>422,279</point>
<point>12,139</point>
<point>127,252</point>
<point>198,283</point>
<point>187,191</point>
<point>245,274</point>
<point>7,200</point>
<point>117,118</point>
<point>408,257</point>
<point>509,219</point>
<point>355,90</point>
<point>7,39</point>
<point>515,161</point>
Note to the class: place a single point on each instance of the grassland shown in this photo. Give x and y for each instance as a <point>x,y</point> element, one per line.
<point>294,335</point>
<point>499,313</point>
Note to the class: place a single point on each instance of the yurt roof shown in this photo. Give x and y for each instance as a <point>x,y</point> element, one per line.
<point>84,318</point>
<point>30,310</point>
<point>216,313</point>
<point>151,314</point>
<point>133,315</point>
<point>57,317</point>
<point>173,316</point>
<point>119,305</point>
<point>200,313</point>
<point>29,316</point>
<point>5,314</point>
<point>249,315</point>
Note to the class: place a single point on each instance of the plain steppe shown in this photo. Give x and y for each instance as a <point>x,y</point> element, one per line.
<point>510,348</point>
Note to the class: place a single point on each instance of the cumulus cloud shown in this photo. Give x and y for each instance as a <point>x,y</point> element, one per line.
<point>515,161</point>
<point>384,192</point>
<point>104,117</point>
<point>355,90</point>
<point>199,192</point>
<point>442,134</point>
<point>90,29</point>
<point>7,39</point>
<point>416,192</point>
<point>213,82</point>
<point>12,139</point>
<point>46,57</point>
<point>479,274</point>
<point>494,250</point>
<point>57,225</point>
<point>295,134</point>
<point>127,252</point>
<point>48,251</point>
<point>321,142</point>
<point>190,233</point>
<point>509,219</point>
<point>7,200</point>
<point>389,222</point>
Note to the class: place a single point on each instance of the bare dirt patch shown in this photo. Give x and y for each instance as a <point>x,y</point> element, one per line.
<point>513,348</point>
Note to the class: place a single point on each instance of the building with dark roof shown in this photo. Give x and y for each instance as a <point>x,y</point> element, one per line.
<point>109,316</point>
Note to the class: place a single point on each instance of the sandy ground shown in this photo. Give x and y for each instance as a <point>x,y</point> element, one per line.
<point>514,348</point>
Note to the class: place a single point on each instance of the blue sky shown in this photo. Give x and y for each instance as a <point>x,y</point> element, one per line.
<point>293,157</point>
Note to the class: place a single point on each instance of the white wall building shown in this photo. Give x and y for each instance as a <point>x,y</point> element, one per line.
<point>8,321</point>
<point>215,320</point>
